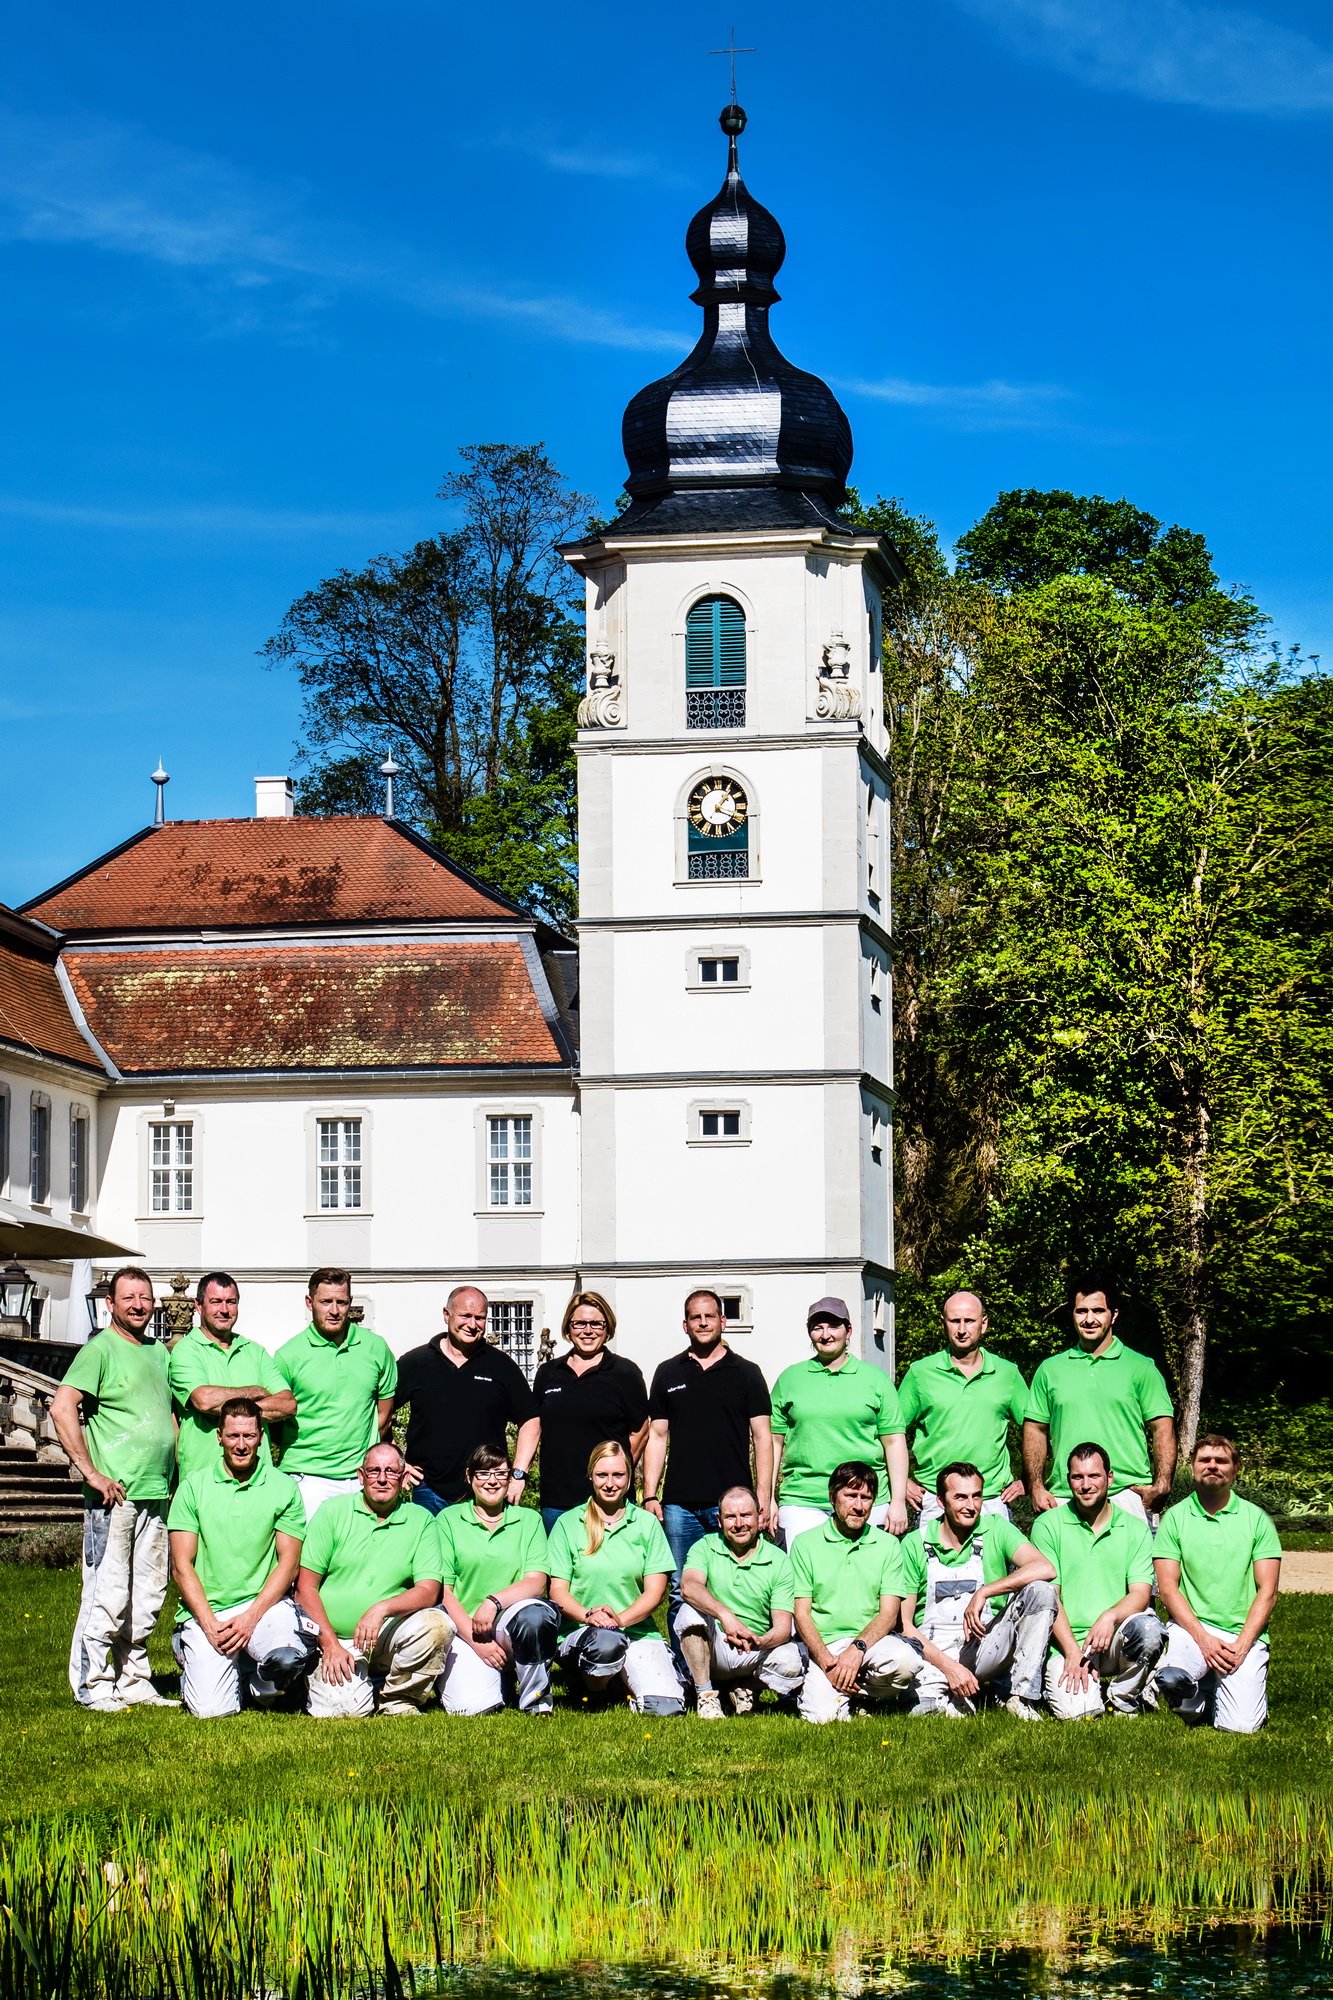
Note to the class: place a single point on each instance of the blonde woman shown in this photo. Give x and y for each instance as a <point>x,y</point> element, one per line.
<point>609,1564</point>
<point>584,1396</point>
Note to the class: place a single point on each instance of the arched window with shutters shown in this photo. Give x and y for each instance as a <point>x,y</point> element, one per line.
<point>715,664</point>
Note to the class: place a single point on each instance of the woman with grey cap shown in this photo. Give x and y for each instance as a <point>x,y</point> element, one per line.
<point>826,1411</point>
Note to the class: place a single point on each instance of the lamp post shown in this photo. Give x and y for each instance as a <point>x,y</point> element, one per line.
<point>94,1299</point>
<point>16,1290</point>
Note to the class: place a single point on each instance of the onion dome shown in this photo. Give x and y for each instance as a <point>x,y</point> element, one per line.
<point>736,416</point>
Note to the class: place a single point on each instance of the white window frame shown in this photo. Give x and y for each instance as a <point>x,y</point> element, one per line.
<point>715,587</point>
<point>717,769</point>
<point>180,1135</point>
<point>179,1114</point>
<point>507,1109</point>
<point>80,1115</point>
<point>342,1112</point>
<point>694,979</point>
<point>694,1121</point>
<point>40,1103</point>
<point>506,1302</point>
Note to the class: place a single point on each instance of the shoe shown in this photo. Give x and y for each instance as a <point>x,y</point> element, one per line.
<point>150,1698</point>
<point>708,1705</point>
<point>742,1700</point>
<point>107,1707</point>
<point>1026,1711</point>
<point>542,1714</point>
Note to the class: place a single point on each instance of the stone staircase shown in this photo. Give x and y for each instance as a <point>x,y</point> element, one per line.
<point>36,1490</point>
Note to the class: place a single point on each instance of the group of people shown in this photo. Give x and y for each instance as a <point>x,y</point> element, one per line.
<point>314,1556</point>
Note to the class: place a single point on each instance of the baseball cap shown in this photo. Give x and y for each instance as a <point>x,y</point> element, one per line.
<point>829,1309</point>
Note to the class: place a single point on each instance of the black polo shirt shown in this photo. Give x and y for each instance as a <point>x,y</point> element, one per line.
<point>453,1409</point>
<point>578,1413</point>
<point>709,1412</point>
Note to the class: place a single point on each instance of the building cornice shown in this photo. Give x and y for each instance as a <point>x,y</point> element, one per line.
<point>444,931</point>
<point>770,920</point>
<point>732,1079</point>
<point>717,743</point>
<point>466,1077</point>
<point>35,1062</point>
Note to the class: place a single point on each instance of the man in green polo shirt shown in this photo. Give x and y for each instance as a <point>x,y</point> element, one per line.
<point>828,1411</point>
<point>213,1365</point>
<point>494,1595</point>
<point>236,1526</point>
<point>1218,1562</point>
<point>735,1622</point>
<point>343,1378</point>
<point>369,1582</point>
<point>847,1584</point>
<point>1103,1391</point>
<point>1107,1639</point>
<point>978,1603</point>
<point>126,1457</point>
<point>958,1406</point>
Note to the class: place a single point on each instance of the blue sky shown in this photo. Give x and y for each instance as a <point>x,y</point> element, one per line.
<point>265,268</point>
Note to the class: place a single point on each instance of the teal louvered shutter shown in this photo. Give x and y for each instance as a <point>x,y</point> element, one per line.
<point>715,644</point>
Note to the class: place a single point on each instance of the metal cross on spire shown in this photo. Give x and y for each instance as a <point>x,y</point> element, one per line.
<point>732,51</point>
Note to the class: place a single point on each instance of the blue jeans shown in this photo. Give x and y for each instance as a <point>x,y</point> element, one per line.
<point>684,1526</point>
<point>431,1501</point>
<point>550,1515</point>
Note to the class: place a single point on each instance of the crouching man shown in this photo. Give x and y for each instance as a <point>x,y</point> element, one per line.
<point>1107,1638</point>
<point>735,1624</point>
<point>847,1581</point>
<point>235,1531</point>
<point>494,1560</point>
<point>959,1569</point>
<point>370,1583</point>
<point>1218,1562</point>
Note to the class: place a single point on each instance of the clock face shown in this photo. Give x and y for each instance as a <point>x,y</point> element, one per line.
<point>717,807</point>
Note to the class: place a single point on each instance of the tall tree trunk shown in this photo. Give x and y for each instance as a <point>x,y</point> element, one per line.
<point>1192,1297</point>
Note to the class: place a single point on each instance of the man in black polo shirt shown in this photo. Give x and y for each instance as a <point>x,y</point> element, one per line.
<point>710,1405</point>
<point>462,1392</point>
<point>585,1397</point>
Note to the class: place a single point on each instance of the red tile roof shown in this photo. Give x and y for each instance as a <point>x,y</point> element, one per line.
<point>32,1007</point>
<point>366,1005</point>
<point>220,872</point>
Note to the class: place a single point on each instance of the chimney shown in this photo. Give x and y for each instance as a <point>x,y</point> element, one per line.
<point>274,798</point>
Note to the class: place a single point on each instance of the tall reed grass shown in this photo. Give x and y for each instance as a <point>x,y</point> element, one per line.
<point>351,1901</point>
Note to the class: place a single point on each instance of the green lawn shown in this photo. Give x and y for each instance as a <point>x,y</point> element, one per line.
<point>160,1761</point>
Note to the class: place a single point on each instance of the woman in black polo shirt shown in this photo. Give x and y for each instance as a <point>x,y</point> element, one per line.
<point>584,1397</point>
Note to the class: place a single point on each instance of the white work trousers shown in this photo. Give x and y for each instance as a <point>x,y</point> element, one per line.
<point>599,1656</point>
<point>211,1681</point>
<point>781,1668</point>
<point>1121,1672</point>
<point>1014,1645</point>
<point>314,1490</point>
<point>793,1521</point>
<point>125,1569</point>
<point>1238,1702</point>
<point>525,1632</point>
<point>409,1653</point>
<point>890,1667</point>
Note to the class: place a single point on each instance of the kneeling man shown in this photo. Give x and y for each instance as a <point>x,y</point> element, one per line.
<point>370,1583</point>
<point>493,1558</point>
<point>958,1570</point>
<point>1107,1637</point>
<point>235,1530</point>
<point>847,1581</point>
<point>735,1624</point>
<point>1218,1562</point>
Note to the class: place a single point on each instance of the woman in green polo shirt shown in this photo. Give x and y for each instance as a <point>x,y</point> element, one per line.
<point>609,1565</point>
<point>494,1590</point>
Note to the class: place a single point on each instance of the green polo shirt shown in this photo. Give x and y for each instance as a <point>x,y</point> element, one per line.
<point>237,1522</point>
<point>127,1407</point>
<point>1106,1400</point>
<point>1217,1554</point>
<point>950,1416</point>
<point>363,1559</point>
<point>478,1560</point>
<point>198,1362</point>
<point>753,1587</point>
<point>337,1384</point>
<point>827,1416</point>
<point>843,1579</point>
<point>1093,1567</point>
<point>634,1549</point>
<point>1000,1543</point>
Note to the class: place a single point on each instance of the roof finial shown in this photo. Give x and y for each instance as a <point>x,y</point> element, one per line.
<point>732,51</point>
<point>389,771</point>
<point>732,120</point>
<point>161,780</point>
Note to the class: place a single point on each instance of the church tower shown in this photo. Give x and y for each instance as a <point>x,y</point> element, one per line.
<point>736,1086</point>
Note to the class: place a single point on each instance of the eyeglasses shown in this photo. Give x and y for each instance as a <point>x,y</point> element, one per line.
<point>496,1478</point>
<point>587,1325</point>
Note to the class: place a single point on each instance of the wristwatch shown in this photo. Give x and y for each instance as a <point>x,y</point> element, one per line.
<point>518,1476</point>
<point>859,1644</point>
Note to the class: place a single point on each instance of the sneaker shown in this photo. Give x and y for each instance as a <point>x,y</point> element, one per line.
<point>742,1699</point>
<point>1026,1711</point>
<point>107,1707</point>
<point>708,1705</point>
<point>146,1697</point>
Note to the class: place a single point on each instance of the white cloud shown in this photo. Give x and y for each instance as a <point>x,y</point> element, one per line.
<point>590,160</point>
<point>977,406</point>
<point>1173,51</point>
<point>118,189</point>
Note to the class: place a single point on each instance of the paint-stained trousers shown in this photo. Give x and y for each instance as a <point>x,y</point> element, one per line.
<point>890,1667</point>
<point>125,1570</point>
<point>409,1653</point>
<point>1122,1672</point>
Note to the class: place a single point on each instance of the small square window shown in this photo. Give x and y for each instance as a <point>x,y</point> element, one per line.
<point>720,971</point>
<point>720,1124</point>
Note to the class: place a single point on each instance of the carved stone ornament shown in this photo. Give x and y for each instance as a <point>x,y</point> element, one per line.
<point>837,700</point>
<point>600,707</point>
<point>178,1309</point>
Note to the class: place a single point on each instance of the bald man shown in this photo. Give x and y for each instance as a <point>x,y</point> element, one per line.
<point>958,1406</point>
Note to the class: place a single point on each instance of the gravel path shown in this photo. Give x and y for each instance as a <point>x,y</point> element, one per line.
<point>1307,1569</point>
